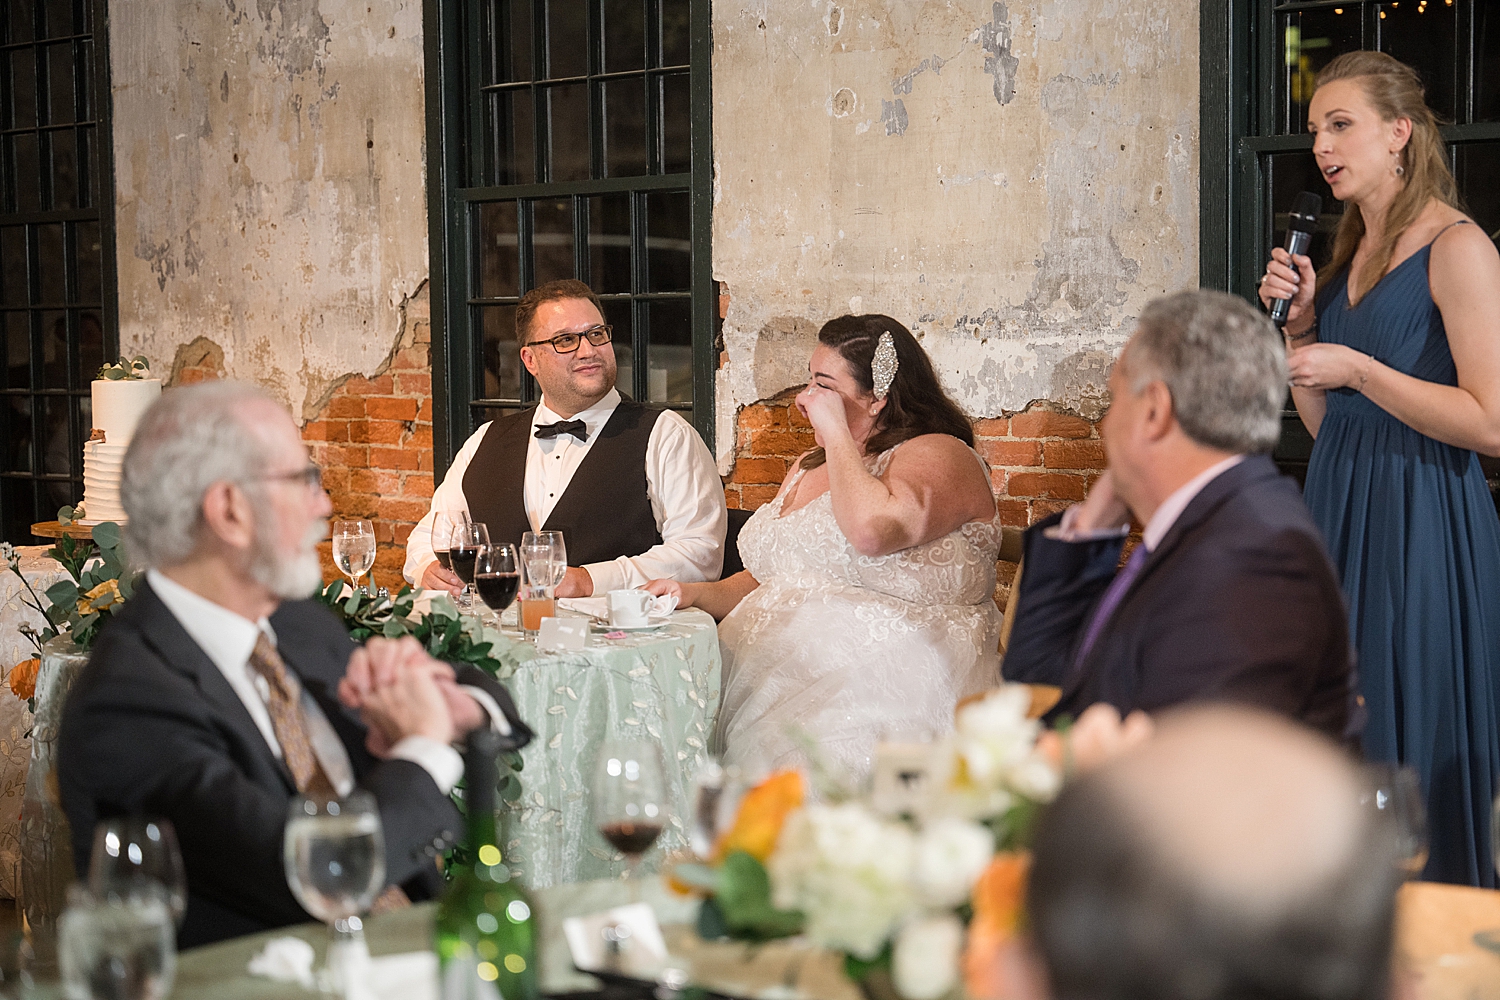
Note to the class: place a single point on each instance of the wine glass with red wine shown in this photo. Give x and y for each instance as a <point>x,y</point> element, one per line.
<point>630,798</point>
<point>497,576</point>
<point>468,539</point>
<point>445,524</point>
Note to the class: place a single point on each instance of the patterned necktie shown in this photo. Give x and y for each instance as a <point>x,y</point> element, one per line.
<point>577,428</point>
<point>288,722</point>
<point>1111,600</point>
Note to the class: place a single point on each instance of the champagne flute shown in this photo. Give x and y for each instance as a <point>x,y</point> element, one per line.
<point>1396,792</point>
<point>630,799</point>
<point>334,853</point>
<point>545,558</point>
<point>497,575</point>
<point>353,549</point>
<point>134,855</point>
<point>468,538</point>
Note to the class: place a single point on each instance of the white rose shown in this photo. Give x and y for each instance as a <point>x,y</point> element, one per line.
<point>1036,778</point>
<point>951,854</point>
<point>925,963</point>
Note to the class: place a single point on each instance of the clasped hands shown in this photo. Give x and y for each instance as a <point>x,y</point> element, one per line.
<point>400,691</point>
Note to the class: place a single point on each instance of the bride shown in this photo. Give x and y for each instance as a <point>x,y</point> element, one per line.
<point>865,608</point>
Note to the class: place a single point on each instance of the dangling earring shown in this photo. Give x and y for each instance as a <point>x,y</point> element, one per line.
<point>1400,170</point>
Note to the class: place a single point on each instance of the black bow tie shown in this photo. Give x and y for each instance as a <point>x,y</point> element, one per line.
<point>577,428</point>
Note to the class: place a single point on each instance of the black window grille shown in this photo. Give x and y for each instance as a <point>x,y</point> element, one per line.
<point>572,141</point>
<point>1259,61</point>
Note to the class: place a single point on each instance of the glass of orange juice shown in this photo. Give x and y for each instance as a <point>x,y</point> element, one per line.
<point>544,559</point>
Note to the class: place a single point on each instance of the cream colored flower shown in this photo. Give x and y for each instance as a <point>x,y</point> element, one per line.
<point>925,963</point>
<point>950,856</point>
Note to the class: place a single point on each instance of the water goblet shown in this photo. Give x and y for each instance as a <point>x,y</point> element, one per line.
<point>497,576</point>
<point>468,539</point>
<point>630,799</point>
<point>353,549</point>
<point>544,556</point>
<point>1396,792</point>
<point>132,855</point>
<point>334,854</point>
<point>120,948</point>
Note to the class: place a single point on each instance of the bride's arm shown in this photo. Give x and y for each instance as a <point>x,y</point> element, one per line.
<point>718,597</point>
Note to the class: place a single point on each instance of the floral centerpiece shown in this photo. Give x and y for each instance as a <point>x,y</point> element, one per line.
<point>918,901</point>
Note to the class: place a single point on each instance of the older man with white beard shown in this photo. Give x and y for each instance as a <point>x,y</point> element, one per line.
<point>219,692</point>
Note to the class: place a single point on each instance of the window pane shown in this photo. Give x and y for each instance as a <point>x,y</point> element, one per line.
<point>570,132</point>
<point>513,120</point>
<point>609,244</point>
<point>1487,62</point>
<point>1478,168</point>
<point>86,60</point>
<point>675,25</point>
<point>670,377</point>
<point>87,247</point>
<point>56,456</point>
<point>90,350</point>
<point>16,494</point>
<point>484,414</point>
<point>85,137</point>
<point>552,240</point>
<point>624,35</point>
<point>59,14</point>
<point>1425,37</point>
<point>1290,174</point>
<point>17,349</point>
<point>502,360</point>
<point>13,267</point>
<point>499,258</point>
<point>567,39</point>
<point>54,349</point>
<point>1310,40</point>
<point>28,190</point>
<point>617,314</point>
<point>514,42</point>
<point>669,241</point>
<point>23,78</point>
<point>64,170</point>
<point>21,20</point>
<point>52,267</point>
<point>625,128</point>
<point>676,125</point>
<point>60,83</point>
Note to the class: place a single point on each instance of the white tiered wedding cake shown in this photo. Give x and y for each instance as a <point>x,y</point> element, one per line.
<point>118,406</point>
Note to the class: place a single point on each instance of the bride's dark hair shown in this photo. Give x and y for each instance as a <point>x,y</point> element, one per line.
<point>915,403</point>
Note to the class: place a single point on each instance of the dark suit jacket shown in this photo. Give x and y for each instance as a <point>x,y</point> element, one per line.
<point>1238,603</point>
<point>151,726</point>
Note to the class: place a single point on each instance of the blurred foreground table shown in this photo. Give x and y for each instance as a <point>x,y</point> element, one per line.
<point>1435,928</point>
<point>661,685</point>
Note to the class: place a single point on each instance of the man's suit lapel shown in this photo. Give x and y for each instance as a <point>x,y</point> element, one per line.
<point>161,630</point>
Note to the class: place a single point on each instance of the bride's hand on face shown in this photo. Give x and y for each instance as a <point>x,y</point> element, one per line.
<point>824,409</point>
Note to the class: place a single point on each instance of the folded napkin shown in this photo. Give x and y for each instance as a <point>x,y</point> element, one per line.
<point>285,960</point>
<point>598,607</point>
<point>407,976</point>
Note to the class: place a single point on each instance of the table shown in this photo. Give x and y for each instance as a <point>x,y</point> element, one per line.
<point>661,685</point>
<point>1435,929</point>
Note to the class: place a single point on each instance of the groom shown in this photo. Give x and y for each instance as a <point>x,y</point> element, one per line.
<point>1230,595</point>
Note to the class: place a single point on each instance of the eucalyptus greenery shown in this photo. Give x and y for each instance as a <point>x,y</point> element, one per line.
<point>134,368</point>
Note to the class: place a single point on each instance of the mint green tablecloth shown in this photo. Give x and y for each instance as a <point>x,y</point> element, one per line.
<point>661,685</point>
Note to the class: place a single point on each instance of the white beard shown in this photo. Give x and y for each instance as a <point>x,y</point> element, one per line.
<point>293,578</point>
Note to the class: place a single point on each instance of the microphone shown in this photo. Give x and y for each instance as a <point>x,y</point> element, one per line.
<point>1306,208</point>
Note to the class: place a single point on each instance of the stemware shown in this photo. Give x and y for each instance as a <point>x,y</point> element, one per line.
<point>544,556</point>
<point>468,539</point>
<point>444,524</point>
<point>132,855</point>
<point>353,549</point>
<point>334,854</point>
<point>497,575</point>
<point>120,948</point>
<point>1396,791</point>
<point>630,798</point>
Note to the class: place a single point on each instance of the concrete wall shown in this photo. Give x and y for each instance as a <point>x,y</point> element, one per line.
<point>1011,180</point>
<point>270,185</point>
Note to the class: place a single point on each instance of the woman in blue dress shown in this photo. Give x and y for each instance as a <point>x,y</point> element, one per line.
<point>1394,354</point>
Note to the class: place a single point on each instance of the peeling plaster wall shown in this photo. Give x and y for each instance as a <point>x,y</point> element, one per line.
<point>1012,180</point>
<point>269,183</point>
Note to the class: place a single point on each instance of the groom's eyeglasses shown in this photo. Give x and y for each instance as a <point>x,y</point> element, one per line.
<point>567,343</point>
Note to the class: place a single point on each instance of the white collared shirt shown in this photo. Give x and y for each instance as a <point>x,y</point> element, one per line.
<point>228,640</point>
<point>1161,522</point>
<point>682,483</point>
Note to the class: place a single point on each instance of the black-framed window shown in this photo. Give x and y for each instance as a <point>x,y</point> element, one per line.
<point>569,140</point>
<point>57,275</point>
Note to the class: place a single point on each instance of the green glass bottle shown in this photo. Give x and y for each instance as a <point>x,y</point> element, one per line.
<point>485,928</point>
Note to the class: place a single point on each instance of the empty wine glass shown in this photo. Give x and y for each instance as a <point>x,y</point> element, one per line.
<point>630,798</point>
<point>353,549</point>
<point>334,854</point>
<point>497,575</point>
<point>544,556</point>
<point>120,948</point>
<point>136,854</point>
<point>468,539</point>
<point>1396,792</point>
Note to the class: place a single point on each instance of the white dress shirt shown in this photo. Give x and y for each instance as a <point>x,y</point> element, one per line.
<point>228,640</point>
<point>1161,522</point>
<point>687,498</point>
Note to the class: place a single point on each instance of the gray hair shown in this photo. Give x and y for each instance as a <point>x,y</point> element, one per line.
<point>191,438</point>
<point>1223,363</point>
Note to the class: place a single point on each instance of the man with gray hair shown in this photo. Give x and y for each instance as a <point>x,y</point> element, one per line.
<point>219,693</point>
<point>1230,595</point>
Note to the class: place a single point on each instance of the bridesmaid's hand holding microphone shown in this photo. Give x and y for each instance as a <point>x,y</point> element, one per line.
<point>1294,278</point>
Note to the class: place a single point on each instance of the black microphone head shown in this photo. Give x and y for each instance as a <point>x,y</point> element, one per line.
<point>1305,211</point>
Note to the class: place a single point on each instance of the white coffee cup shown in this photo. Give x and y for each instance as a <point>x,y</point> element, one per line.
<point>629,608</point>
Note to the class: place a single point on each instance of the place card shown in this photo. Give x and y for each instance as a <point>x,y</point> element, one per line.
<point>901,777</point>
<point>562,633</point>
<point>626,941</point>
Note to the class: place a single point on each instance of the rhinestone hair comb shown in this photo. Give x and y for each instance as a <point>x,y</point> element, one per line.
<point>884,364</point>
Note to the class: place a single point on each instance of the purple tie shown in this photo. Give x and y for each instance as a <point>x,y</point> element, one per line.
<point>1111,600</point>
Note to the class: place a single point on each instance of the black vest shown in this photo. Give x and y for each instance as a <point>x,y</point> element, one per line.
<point>604,513</point>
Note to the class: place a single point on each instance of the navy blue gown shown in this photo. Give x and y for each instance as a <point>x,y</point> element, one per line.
<point>1412,529</point>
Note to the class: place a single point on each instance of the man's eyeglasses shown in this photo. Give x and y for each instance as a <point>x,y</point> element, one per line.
<point>311,477</point>
<point>567,343</point>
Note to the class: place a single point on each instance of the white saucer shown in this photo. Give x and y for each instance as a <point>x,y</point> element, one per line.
<point>602,627</point>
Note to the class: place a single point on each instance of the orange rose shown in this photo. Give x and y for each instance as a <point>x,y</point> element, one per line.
<point>23,678</point>
<point>762,813</point>
<point>999,902</point>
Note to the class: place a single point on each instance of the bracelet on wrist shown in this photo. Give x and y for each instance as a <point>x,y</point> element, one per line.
<point>1364,376</point>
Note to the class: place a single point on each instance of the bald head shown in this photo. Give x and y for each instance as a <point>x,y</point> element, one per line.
<point>1228,856</point>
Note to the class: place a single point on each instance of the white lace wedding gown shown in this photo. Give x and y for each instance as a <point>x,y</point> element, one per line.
<point>841,649</point>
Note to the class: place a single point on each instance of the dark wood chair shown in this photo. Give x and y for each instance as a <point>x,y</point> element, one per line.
<point>732,563</point>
